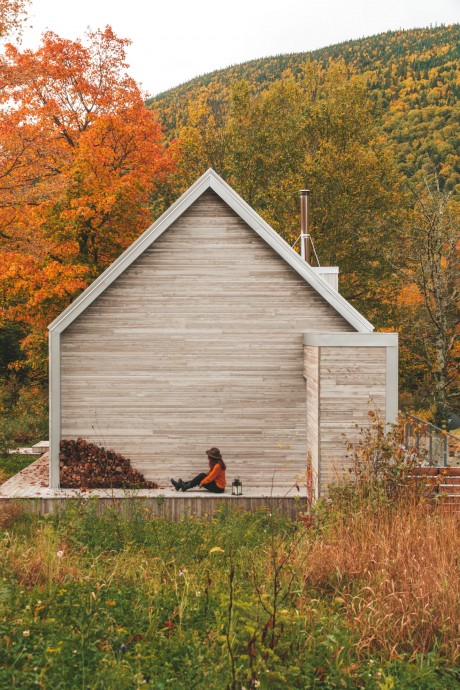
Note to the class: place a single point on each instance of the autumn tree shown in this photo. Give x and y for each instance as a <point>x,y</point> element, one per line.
<point>204,141</point>
<point>80,159</point>
<point>314,129</point>
<point>427,259</point>
<point>12,17</point>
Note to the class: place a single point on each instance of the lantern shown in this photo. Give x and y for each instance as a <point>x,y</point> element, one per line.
<point>237,487</point>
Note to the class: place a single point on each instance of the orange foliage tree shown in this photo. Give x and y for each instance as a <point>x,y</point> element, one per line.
<point>12,16</point>
<point>80,160</point>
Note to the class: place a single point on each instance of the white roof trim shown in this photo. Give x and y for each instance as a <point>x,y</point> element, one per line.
<point>211,180</point>
<point>351,339</point>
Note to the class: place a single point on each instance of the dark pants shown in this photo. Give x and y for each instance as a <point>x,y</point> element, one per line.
<point>212,486</point>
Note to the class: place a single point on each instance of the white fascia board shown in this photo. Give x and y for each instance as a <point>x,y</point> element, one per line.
<point>325,269</point>
<point>351,339</point>
<point>210,180</point>
<point>55,407</point>
<point>391,386</point>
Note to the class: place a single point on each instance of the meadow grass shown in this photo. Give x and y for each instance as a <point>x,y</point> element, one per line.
<point>368,599</point>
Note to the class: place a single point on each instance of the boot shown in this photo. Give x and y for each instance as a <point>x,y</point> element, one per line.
<point>177,484</point>
<point>186,485</point>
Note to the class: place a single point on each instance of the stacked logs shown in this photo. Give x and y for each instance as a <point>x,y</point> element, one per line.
<point>84,465</point>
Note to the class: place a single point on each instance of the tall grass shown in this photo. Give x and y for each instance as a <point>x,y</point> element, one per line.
<point>397,576</point>
<point>362,600</point>
<point>366,596</point>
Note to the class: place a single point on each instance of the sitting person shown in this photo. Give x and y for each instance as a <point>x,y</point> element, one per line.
<point>213,481</point>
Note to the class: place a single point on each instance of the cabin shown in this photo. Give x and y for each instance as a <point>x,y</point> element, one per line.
<point>210,330</point>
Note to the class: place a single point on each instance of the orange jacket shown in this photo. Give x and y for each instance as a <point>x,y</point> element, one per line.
<point>217,474</point>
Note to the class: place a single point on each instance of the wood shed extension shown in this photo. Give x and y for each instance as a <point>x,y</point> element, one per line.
<point>210,330</point>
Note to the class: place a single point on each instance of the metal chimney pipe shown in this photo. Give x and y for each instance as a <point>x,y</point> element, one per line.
<point>305,246</point>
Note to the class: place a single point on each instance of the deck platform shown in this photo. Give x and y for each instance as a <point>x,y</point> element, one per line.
<point>31,488</point>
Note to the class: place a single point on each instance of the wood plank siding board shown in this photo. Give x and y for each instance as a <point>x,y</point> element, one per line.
<point>352,381</point>
<point>198,342</point>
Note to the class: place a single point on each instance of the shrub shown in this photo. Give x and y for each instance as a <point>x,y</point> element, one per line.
<point>382,468</point>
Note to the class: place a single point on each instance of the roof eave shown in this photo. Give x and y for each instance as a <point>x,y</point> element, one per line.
<point>210,180</point>
<point>285,250</point>
<point>130,254</point>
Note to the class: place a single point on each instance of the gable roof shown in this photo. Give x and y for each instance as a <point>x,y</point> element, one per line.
<point>211,180</point>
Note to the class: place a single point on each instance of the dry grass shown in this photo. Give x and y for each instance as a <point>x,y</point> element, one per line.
<point>397,575</point>
<point>9,511</point>
<point>40,561</point>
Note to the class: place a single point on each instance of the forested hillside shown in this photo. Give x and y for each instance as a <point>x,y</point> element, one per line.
<point>412,78</point>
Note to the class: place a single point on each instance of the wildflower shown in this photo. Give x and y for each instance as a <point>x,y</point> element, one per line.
<point>26,633</point>
<point>60,554</point>
<point>123,648</point>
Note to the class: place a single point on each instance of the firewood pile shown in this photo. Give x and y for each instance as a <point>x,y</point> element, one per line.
<point>84,465</point>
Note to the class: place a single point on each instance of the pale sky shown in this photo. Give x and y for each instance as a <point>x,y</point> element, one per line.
<point>176,40</point>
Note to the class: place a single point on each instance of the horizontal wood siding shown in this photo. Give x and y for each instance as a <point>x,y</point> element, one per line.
<point>352,382</point>
<point>197,343</point>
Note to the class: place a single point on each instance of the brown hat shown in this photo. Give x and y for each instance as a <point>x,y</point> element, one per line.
<point>214,453</point>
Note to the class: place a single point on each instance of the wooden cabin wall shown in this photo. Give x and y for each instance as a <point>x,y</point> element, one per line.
<point>198,343</point>
<point>352,382</point>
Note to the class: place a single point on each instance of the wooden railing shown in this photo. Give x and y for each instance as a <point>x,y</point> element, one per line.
<point>437,446</point>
